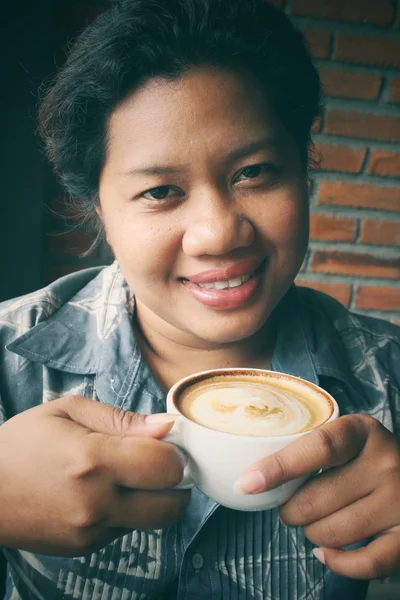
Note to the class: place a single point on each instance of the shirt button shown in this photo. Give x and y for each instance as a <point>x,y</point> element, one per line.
<point>197,561</point>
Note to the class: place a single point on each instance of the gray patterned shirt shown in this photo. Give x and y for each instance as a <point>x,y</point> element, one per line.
<point>75,337</point>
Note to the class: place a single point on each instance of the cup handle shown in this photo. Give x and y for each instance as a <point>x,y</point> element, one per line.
<point>175,437</point>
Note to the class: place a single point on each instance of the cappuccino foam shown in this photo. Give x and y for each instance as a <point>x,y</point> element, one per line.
<point>258,406</point>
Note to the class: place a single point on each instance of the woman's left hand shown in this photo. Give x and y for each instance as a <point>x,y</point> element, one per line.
<point>357,498</point>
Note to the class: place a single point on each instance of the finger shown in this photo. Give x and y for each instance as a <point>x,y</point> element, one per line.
<point>361,520</point>
<point>379,559</point>
<point>328,446</point>
<point>148,510</point>
<point>122,512</point>
<point>319,497</point>
<point>111,420</point>
<point>132,462</point>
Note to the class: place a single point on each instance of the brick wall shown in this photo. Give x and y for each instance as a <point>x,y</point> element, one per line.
<point>355,194</point>
<point>355,191</point>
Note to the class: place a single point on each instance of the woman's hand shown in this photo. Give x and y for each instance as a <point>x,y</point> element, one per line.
<point>75,474</point>
<point>357,498</point>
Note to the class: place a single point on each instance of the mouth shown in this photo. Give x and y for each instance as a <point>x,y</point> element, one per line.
<point>233,282</point>
<point>222,276</point>
<point>226,293</point>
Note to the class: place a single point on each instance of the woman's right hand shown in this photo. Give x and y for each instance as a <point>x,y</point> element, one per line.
<point>75,474</point>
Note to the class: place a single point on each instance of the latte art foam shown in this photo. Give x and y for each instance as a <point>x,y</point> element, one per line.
<point>253,407</point>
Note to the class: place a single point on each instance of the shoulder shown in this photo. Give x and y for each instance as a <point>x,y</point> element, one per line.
<point>22,380</point>
<point>19,315</point>
<point>322,306</point>
<point>371,345</point>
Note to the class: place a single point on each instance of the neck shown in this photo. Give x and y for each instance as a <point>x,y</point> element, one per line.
<point>172,354</point>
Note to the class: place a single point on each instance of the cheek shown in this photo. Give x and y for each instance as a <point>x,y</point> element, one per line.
<point>140,245</point>
<point>297,220</point>
<point>286,219</point>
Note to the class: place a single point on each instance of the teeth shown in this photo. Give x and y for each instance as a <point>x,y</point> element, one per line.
<point>236,282</point>
<point>224,285</point>
<point>206,285</point>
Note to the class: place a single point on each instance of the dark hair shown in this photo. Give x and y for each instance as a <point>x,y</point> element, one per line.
<point>136,40</point>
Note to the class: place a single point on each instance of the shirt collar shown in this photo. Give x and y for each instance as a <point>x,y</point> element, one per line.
<point>90,334</point>
<point>308,345</point>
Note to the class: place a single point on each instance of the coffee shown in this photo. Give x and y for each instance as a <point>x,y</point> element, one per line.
<point>249,403</point>
<point>262,413</point>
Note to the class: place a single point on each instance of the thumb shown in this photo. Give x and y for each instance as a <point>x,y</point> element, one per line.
<point>110,420</point>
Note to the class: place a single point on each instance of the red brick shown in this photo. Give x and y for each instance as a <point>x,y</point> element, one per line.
<point>383,162</point>
<point>340,158</point>
<point>394,90</point>
<point>378,297</point>
<point>319,42</point>
<point>339,193</point>
<point>347,84</point>
<point>351,263</point>
<point>367,50</point>
<point>327,227</point>
<point>362,125</point>
<point>340,291</point>
<point>380,232</point>
<point>71,243</point>
<point>376,12</point>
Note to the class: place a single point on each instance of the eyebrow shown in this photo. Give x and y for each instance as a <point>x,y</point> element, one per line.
<point>251,148</point>
<point>233,155</point>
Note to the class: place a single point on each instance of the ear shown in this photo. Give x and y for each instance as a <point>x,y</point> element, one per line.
<point>99,213</point>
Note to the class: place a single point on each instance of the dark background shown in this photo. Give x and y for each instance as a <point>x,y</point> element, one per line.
<point>29,38</point>
<point>35,36</point>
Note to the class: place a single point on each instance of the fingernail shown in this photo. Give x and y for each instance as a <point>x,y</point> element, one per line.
<point>159,418</point>
<point>252,482</point>
<point>319,554</point>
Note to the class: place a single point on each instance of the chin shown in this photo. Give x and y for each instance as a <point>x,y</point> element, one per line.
<point>230,333</point>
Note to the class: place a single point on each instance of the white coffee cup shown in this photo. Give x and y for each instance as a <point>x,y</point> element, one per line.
<point>216,459</point>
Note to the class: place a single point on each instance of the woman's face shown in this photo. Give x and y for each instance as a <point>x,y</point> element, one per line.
<point>204,202</point>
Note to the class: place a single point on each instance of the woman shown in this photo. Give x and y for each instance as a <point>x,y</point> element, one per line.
<point>184,128</point>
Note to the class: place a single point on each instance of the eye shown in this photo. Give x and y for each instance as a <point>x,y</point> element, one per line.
<point>257,171</point>
<point>162,192</point>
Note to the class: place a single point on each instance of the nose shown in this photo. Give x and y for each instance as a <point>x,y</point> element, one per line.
<point>218,228</point>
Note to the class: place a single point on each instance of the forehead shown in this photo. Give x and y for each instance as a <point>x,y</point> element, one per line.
<point>205,107</point>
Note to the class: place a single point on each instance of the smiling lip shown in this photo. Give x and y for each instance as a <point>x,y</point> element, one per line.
<point>213,275</point>
<point>229,298</point>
